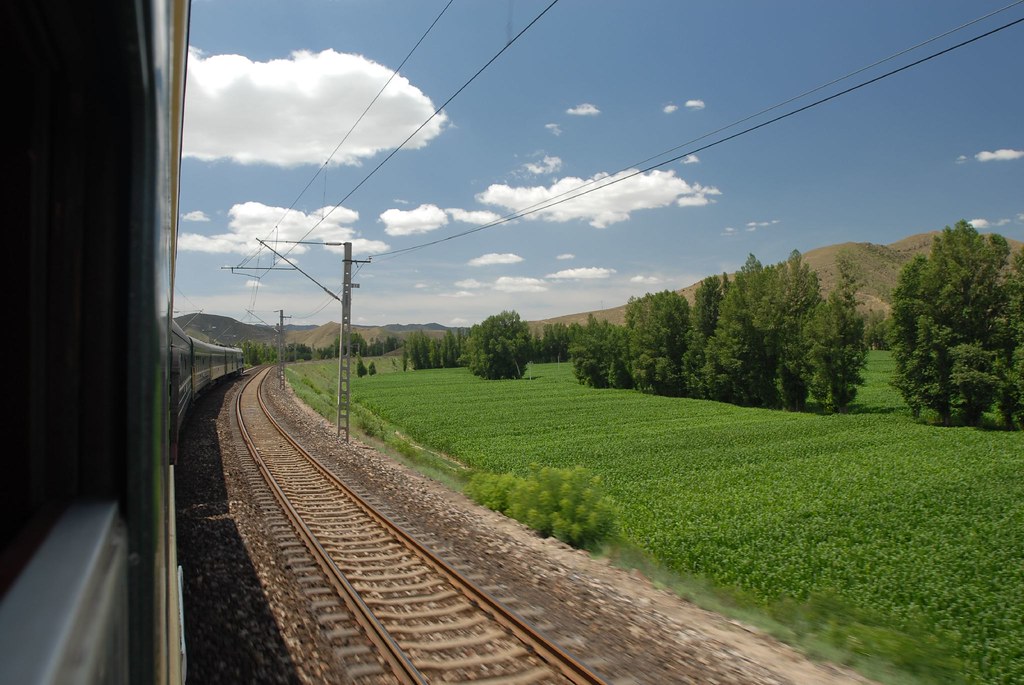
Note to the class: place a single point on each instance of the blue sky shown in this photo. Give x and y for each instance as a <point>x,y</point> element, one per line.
<point>592,89</point>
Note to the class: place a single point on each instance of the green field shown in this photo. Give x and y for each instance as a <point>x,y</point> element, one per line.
<point>903,539</point>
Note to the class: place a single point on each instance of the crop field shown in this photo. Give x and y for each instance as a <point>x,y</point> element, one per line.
<point>913,533</point>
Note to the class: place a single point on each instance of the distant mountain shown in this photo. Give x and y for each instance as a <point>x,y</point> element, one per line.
<point>226,331</point>
<point>878,268</point>
<point>223,330</point>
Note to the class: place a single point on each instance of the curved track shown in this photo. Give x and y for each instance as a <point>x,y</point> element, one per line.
<point>426,622</point>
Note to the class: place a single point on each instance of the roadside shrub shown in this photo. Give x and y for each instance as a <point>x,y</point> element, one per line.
<point>566,503</point>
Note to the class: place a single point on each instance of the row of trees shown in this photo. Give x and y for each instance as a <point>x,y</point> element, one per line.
<point>958,329</point>
<point>765,339</point>
<point>424,352</point>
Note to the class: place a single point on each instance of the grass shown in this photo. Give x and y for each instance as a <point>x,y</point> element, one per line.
<point>895,542</point>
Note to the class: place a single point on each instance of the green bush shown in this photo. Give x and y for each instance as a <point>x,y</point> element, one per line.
<point>566,503</point>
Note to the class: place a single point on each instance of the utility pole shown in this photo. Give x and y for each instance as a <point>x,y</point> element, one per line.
<point>280,349</point>
<point>345,342</point>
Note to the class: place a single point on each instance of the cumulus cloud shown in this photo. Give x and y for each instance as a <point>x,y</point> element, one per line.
<point>1003,155</point>
<point>421,286</point>
<point>668,109</point>
<point>495,258</point>
<point>645,280</point>
<point>423,219</point>
<point>472,217</point>
<point>695,104</point>
<point>567,255</point>
<point>691,159</point>
<point>471,283</point>
<point>459,293</point>
<point>254,283</point>
<point>250,221</point>
<point>583,273</point>
<point>583,110</point>
<point>195,216</point>
<point>961,159</point>
<point>548,165</point>
<point>606,206</point>
<point>293,111</point>
<point>728,230</point>
<point>554,128</point>
<point>513,284</point>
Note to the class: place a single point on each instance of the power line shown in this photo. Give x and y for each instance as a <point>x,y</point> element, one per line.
<point>376,97</point>
<point>432,116</point>
<point>586,189</point>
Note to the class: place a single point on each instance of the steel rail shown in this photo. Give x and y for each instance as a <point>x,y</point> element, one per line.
<point>560,660</point>
<point>393,655</point>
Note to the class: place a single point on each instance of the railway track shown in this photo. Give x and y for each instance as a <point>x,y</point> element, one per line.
<point>425,621</point>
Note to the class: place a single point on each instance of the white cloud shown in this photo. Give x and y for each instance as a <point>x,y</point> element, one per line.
<point>251,221</point>
<point>195,216</point>
<point>399,201</point>
<point>549,165</point>
<point>584,110</point>
<point>420,286</point>
<point>254,283</point>
<point>691,159</point>
<point>645,280</point>
<point>999,155</point>
<point>479,217</point>
<point>471,283</point>
<point>668,109</point>
<point>606,206</point>
<point>754,225</point>
<point>583,273</point>
<point>728,230</point>
<point>513,284</point>
<point>423,219</point>
<point>495,258</point>
<point>1020,217</point>
<point>554,128</point>
<point>961,159</point>
<point>567,255</point>
<point>459,293</point>
<point>985,223</point>
<point>294,111</point>
<point>695,104</point>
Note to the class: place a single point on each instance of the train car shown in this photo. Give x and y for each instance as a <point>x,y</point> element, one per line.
<point>195,367</point>
<point>211,363</point>
<point>88,573</point>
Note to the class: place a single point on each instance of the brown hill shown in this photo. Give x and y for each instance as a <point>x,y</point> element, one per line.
<point>878,268</point>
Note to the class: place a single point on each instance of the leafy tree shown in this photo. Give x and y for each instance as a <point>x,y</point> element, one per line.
<point>1009,363</point>
<point>659,325</point>
<point>877,327</point>
<point>742,356</point>
<point>973,382</point>
<point>956,296</point>
<point>553,343</point>
<point>417,345</point>
<point>372,368</point>
<point>498,347</point>
<point>787,313</point>
<point>704,320</point>
<point>360,366</point>
<point>600,355</point>
<point>838,351</point>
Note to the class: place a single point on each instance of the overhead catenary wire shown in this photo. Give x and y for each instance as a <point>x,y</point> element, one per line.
<point>352,128</point>
<point>431,117</point>
<point>587,188</point>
